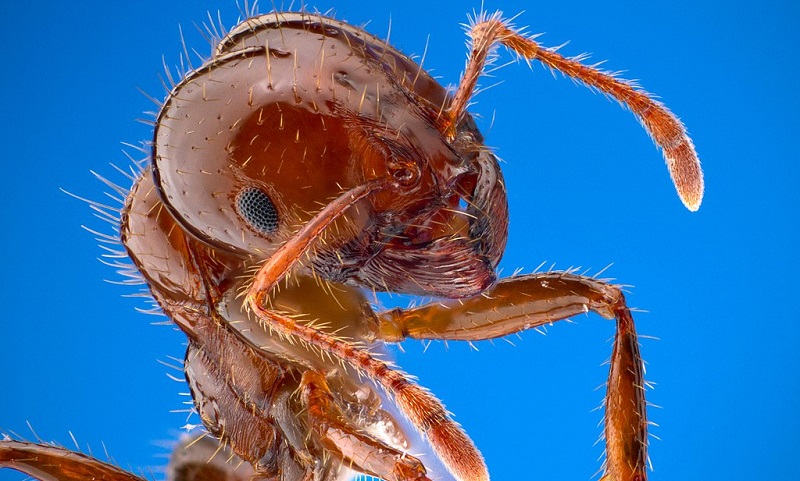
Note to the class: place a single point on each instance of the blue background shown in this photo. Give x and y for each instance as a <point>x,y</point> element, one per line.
<point>587,188</point>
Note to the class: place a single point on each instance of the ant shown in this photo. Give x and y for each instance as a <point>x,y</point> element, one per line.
<point>304,163</point>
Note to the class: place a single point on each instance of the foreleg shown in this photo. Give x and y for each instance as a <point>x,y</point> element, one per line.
<point>525,302</point>
<point>356,449</point>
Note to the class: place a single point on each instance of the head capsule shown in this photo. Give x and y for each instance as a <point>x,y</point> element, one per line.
<point>294,109</point>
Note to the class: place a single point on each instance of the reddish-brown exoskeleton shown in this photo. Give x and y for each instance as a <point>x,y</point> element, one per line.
<point>305,162</point>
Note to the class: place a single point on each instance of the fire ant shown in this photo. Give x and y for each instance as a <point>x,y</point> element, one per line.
<point>302,164</point>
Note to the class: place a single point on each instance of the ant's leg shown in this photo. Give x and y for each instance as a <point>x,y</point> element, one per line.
<point>53,463</point>
<point>525,302</point>
<point>356,449</point>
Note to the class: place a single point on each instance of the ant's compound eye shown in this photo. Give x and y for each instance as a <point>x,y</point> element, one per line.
<point>257,209</point>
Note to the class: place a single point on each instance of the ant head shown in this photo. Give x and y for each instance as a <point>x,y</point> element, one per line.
<point>294,109</point>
